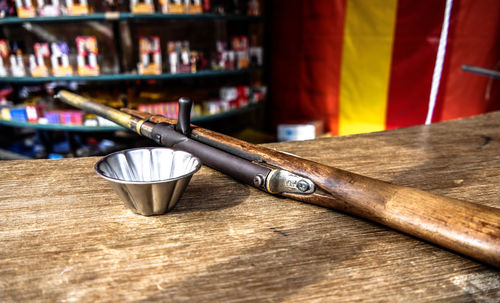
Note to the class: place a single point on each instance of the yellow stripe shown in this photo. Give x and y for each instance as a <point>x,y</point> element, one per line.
<point>366,65</point>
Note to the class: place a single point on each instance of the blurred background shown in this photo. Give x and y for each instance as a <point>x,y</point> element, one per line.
<point>259,70</point>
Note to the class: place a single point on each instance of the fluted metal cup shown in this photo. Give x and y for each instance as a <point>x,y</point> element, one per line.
<point>149,180</point>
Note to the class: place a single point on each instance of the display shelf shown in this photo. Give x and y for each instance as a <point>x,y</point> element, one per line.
<point>127,77</point>
<point>43,19</point>
<point>123,16</point>
<point>131,16</point>
<point>82,128</point>
<point>122,28</point>
<point>61,127</point>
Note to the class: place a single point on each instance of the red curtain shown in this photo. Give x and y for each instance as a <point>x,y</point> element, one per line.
<point>305,63</point>
<point>306,59</point>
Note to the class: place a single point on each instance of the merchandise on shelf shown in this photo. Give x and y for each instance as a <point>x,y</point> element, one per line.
<point>180,58</point>
<point>90,120</point>
<point>87,56</point>
<point>195,61</point>
<point>224,59</point>
<point>142,6</point>
<point>51,117</point>
<point>38,66</point>
<point>37,114</point>
<point>213,107</point>
<point>255,52</point>
<point>230,98</point>
<point>193,6</point>
<point>172,57</point>
<point>4,54</point>
<point>234,97</point>
<point>105,122</point>
<point>25,9</point>
<point>150,56</point>
<point>7,8</point>
<point>206,5</point>
<point>34,112</point>
<point>240,47</point>
<point>5,114</point>
<point>184,62</point>
<point>257,94</point>
<point>60,60</point>
<point>71,117</point>
<point>49,8</point>
<point>235,52</point>
<point>4,92</point>
<point>18,114</point>
<point>5,105</point>
<point>171,6</point>
<point>167,109</point>
<point>16,62</point>
<point>239,56</point>
<point>77,7</point>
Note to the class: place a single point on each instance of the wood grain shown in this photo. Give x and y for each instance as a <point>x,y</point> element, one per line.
<point>66,236</point>
<point>462,226</point>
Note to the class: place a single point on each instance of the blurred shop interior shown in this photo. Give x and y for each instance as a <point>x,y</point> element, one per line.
<point>259,70</point>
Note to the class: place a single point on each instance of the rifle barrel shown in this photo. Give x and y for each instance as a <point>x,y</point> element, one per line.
<point>468,228</point>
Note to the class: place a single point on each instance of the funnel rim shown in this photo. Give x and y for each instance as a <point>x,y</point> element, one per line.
<point>101,174</point>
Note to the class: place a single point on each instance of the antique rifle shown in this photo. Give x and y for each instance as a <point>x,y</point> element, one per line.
<point>468,228</point>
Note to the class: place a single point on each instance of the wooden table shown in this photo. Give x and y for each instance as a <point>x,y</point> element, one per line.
<point>65,236</point>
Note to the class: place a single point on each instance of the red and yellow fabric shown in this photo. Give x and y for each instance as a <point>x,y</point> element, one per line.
<point>369,65</point>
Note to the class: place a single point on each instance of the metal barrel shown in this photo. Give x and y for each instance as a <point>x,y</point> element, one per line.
<point>104,111</point>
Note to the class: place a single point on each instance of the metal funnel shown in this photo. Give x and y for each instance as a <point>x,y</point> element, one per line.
<point>149,180</point>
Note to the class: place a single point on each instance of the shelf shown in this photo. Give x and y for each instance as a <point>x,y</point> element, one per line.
<point>127,77</point>
<point>62,127</point>
<point>131,16</point>
<point>122,16</point>
<point>82,128</point>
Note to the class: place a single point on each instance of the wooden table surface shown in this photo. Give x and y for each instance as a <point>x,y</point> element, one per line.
<point>66,237</point>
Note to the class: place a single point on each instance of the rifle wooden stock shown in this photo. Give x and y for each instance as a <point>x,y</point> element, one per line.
<point>464,227</point>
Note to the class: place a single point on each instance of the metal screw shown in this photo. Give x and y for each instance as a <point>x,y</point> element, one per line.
<point>157,138</point>
<point>258,180</point>
<point>303,186</point>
